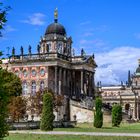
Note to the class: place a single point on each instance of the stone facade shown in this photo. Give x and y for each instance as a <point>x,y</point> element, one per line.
<point>56,67</point>
<point>128,96</point>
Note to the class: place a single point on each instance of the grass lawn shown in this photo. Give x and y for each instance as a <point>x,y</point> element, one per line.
<point>124,127</point>
<point>64,137</point>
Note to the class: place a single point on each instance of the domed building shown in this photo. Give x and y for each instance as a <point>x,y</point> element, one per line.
<point>56,67</point>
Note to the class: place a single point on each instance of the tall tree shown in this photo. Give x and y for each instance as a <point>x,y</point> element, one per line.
<point>116,115</point>
<point>47,113</point>
<point>98,115</point>
<point>3,111</point>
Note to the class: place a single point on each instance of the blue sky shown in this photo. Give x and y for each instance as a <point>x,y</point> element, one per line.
<point>108,28</point>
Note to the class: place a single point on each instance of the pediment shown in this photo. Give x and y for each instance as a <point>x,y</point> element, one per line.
<point>91,62</point>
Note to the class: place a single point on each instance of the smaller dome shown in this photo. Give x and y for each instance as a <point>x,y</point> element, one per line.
<point>138,70</point>
<point>55,28</point>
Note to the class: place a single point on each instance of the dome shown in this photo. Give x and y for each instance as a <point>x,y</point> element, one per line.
<point>138,70</point>
<point>55,28</point>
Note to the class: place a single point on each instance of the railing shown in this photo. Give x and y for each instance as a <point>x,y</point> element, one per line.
<point>45,56</point>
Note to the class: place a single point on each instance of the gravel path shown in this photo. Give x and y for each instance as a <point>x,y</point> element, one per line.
<point>75,133</point>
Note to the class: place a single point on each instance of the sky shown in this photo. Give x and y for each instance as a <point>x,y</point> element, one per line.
<point>108,28</point>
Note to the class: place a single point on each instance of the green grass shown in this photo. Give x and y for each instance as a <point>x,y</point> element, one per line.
<point>64,137</point>
<point>124,127</point>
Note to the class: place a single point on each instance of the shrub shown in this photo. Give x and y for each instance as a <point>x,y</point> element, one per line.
<point>116,115</point>
<point>47,112</point>
<point>98,115</point>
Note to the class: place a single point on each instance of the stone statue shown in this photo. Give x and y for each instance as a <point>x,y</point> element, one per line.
<point>13,51</point>
<point>21,49</point>
<point>38,49</point>
<point>73,52</point>
<point>82,52</point>
<point>29,49</point>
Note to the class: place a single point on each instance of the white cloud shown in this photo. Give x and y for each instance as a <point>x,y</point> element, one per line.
<point>90,44</point>
<point>85,22</point>
<point>9,28</point>
<point>35,19</point>
<point>137,35</point>
<point>87,34</point>
<point>113,66</point>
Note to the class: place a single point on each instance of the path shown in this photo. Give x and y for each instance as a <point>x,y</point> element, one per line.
<point>75,133</point>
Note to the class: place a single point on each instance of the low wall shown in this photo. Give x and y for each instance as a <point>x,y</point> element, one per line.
<point>82,114</point>
<point>36,125</point>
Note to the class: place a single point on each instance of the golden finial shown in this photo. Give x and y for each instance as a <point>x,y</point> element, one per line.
<point>55,13</point>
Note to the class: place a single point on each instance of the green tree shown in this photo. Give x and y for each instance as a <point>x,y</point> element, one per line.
<point>3,112</point>
<point>10,86</point>
<point>47,112</point>
<point>116,115</point>
<point>98,114</point>
<point>3,16</point>
<point>11,83</point>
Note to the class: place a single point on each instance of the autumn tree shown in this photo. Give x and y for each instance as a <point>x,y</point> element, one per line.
<point>17,108</point>
<point>35,103</point>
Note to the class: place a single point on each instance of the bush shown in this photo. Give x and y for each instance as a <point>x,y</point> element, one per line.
<point>98,115</point>
<point>47,112</point>
<point>116,115</point>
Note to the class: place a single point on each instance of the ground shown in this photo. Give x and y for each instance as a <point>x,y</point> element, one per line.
<point>65,137</point>
<point>124,128</point>
<point>107,127</point>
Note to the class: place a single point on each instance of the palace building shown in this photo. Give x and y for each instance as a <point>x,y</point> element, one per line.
<point>127,95</point>
<point>56,67</point>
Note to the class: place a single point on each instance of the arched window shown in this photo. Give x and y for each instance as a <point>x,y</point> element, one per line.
<point>33,88</point>
<point>42,85</point>
<point>48,49</point>
<point>24,88</point>
<point>59,48</point>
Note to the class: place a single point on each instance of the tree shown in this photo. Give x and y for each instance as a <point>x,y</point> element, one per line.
<point>11,83</point>
<point>47,112</point>
<point>3,112</point>
<point>3,94</point>
<point>98,115</point>
<point>116,115</point>
<point>17,108</point>
<point>36,103</point>
<point>3,14</point>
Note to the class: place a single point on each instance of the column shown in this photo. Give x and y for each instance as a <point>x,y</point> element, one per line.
<point>64,81</point>
<point>82,84</point>
<point>137,110</point>
<point>90,85</point>
<point>47,78</point>
<point>56,69</point>
<point>60,80</point>
<point>85,83</point>
<point>73,80</point>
